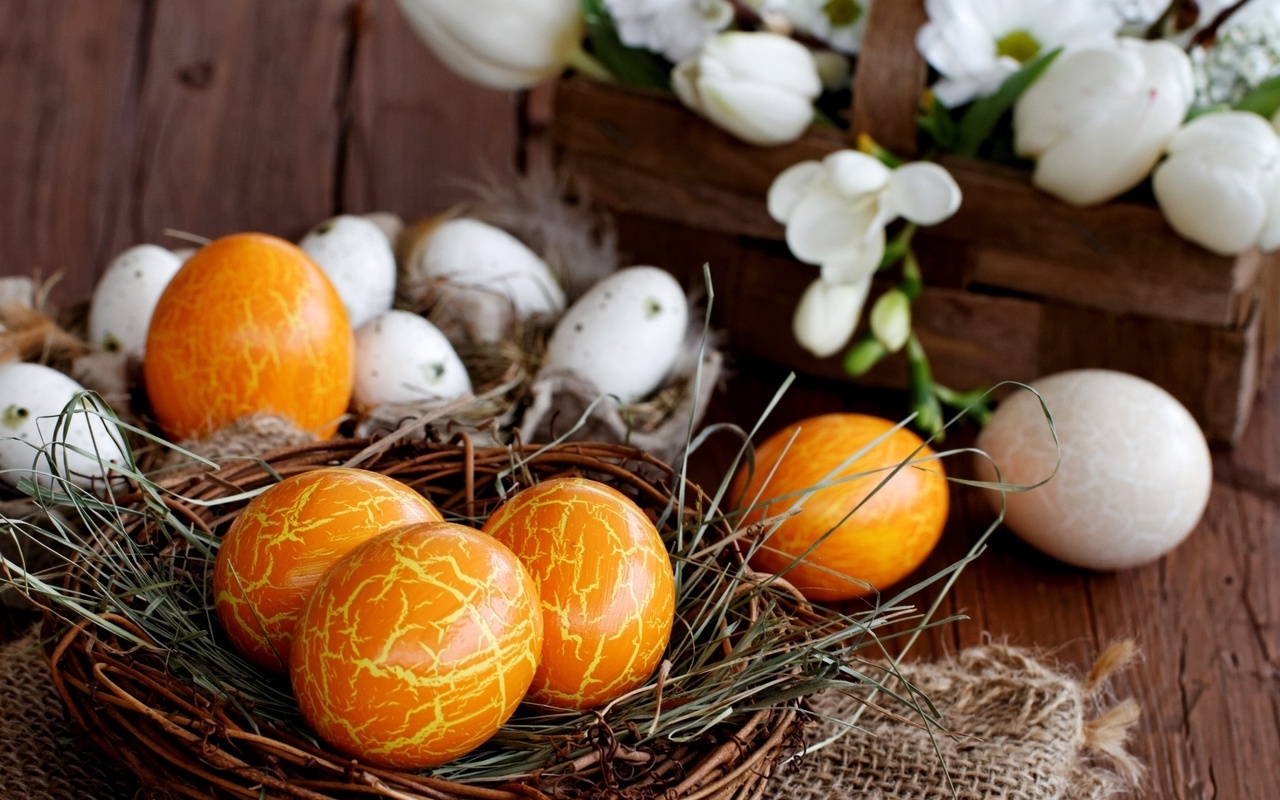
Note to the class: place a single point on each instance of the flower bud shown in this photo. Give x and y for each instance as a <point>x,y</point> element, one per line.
<point>827,314</point>
<point>891,320</point>
<point>758,86</point>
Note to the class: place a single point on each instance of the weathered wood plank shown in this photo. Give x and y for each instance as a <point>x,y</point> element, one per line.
<point>418,133</point>
<point>1120,256</point>
<point>240,119</point>
<point>68,83</point>
<point>891,76</point>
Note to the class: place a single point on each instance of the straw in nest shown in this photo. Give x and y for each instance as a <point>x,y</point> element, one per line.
<point>139,660</point>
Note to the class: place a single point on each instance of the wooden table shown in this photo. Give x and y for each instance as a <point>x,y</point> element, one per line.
<point>121,119</point>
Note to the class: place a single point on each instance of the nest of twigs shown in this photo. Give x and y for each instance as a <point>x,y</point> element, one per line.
<point>139,660</point>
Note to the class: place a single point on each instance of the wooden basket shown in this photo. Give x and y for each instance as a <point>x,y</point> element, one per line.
<point>181,738</point>
<point>1017,284</point>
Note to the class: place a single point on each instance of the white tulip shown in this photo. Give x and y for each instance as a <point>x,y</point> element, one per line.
<point>757,86</point>
<point>836,210</point>
<point>827,314</point>
<point>502,44</point>
<point>1098,119</point>
<point>1220,185</point>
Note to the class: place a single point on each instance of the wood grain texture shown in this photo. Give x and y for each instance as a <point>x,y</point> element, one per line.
<point>69,75</point>
<point>417,134</point>
<point>1007,235</point>
<point>240,116</point>
<point>891,76</point>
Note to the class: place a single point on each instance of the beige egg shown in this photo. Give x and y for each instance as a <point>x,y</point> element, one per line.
<point>1134,477</point>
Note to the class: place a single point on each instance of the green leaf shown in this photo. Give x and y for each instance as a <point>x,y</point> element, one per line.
<point>865,353</point>
<point>984,114</point>
<point>1263,99</point>
<point>937,122</point>
<point>631,66</point>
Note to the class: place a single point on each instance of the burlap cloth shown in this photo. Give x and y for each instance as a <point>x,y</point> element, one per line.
<point>1020,731</point>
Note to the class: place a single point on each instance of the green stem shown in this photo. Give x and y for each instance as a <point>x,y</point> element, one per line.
<point>589,65</point>
<point>923,399</point>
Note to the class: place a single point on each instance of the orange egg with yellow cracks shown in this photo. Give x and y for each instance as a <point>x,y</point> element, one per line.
<point>872,545</point>
<point>286,538</point>
<point>249,325</point>
<point>608,592</point>
<point>417,646</point>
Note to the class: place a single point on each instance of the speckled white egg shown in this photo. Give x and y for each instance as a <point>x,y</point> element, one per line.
<point>391,225</point>
<point>184,254</point>
<point>357,257</point>
<point>473,256</point>
<point>403,359</point>
<point>31,398</point>
<point>1135,473</point>
<point>624,333</point>
<point>126,295</point>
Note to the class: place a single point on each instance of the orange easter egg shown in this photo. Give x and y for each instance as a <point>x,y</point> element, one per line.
<point>608,593</point>
<point>877,544</point>
<point>417,646</point>
<point>286,538</point>
<point>248,325</point>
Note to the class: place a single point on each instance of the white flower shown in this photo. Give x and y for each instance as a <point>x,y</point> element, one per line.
<point>503,44</point>
<point>836,209</point>
<point>758,86</point>
<point>1244,53</point>
<point>827,315</point>
<point>976,44</point>
<point>891,320</point>
<point>1098,119</point>
<point>838,23</point>
<point>1220,185</point>
<point>675,28</point>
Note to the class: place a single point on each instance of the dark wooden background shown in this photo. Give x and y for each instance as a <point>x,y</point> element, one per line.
<point>120,119</point>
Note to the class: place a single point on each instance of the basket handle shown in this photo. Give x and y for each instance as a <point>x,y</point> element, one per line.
<point>890,76</point>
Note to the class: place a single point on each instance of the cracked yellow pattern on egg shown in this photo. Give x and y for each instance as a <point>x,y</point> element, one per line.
<point>285,539</point>
<point>417,646</point>
<point>249,325</point>
<point>608,593</point>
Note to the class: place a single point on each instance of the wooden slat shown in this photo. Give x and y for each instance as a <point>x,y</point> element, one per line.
<point>891,76</point>
<point>1007,235</point>
<point>68,88</point>
<point>239,126</point>
<point>418,133</point>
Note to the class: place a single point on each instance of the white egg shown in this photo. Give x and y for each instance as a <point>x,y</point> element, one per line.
<point>32,397</point>
<point>1135,473</point>
<point>184,254</point>
<point>403,359</point>
<point>359,261</point>
<point>391,225</point>
<point>473,257</point>
<point>126,296</point>
<point>624,333</point>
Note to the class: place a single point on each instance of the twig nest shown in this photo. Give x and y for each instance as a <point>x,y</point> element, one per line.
<point>563,403</point>
<point>357,256</point>
<point>126,296</point>
<point>247,437</point>
<point>479,279</point>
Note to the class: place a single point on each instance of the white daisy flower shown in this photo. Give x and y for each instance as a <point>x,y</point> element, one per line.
<point>976,44</point>
<point>676,29</point>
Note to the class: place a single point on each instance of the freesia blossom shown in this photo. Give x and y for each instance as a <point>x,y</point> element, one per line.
<point>976,44</point>
<point>675,28</point>
<point>1220,185</point>
<point>1098,119</point>
<point>827,315</point>
<point>759,87</point>
<point>503,44</point>
<point>835,212</point>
